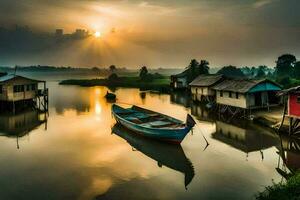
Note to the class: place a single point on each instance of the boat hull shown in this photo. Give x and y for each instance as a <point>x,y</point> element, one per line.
<point>174,136</point>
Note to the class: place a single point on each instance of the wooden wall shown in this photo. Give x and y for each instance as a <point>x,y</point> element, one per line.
<point>8,93</point>
<point>198,91</point>
<point>294,106</point>
<point>241,102</point>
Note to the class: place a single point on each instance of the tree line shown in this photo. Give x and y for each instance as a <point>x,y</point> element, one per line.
<point>286,72</point>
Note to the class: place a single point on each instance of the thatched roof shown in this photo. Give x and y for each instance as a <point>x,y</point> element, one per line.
<point>290,90</point>
<point>207,80</point>
<point>242,85</point>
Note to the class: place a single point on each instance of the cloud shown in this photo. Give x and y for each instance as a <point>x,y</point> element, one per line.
<point>261,3</point>
<point>170,32</point>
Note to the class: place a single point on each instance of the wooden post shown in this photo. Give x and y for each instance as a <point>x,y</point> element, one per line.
<point>290,126</point>
<point>14,111</point>
<point>284,112</point>
<point>268,102</point>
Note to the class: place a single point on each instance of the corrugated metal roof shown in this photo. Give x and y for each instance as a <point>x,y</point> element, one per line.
<point>6,77</point>
<point>11,76</point>
<point>241,85</point>
<point>290,90</point>
<point>206,80</point>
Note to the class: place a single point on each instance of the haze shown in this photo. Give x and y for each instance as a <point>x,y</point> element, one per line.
<point>157,33</point>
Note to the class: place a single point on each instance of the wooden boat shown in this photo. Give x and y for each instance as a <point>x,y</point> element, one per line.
<point>110,96</point>
<point>152,124</point>
<point>171,156</point>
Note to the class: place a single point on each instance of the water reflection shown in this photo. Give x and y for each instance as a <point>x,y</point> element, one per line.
<point>181,98</point>
<point>21,124</point>
<point>202,113</point>
<point>244,138</point>
<point>78,158</point>
<point>168,155</point>
<point>289,156</point>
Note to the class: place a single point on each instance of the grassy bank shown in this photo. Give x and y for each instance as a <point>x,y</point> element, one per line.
<point>282,191</point>
<point>160,84</point>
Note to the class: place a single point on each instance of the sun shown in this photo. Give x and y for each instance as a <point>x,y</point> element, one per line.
<point>97,34</point>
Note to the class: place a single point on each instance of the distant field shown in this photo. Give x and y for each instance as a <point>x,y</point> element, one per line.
<point>160,84</point>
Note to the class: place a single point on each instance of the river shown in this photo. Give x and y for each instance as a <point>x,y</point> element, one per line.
<point>77,153</point>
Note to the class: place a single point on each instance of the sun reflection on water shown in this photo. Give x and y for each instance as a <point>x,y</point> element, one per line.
<point>97,97</point>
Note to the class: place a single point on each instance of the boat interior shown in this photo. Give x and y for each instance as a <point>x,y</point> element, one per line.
<point>147,118</point>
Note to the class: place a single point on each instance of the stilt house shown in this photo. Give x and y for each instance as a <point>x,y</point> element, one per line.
<point>247,93</point>
<point>180,81</point>
<point>202,87</point>
<point>292,109</point>
<point>15,89</point>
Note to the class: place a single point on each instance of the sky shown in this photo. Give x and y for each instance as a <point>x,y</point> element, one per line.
<point>160,33</point>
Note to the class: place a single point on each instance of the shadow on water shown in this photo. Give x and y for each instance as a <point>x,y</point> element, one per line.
<point>289,156</point>
<point>244,138</point>
<point>181,98</point>
<point>20,124</point>
<point>165,154</point>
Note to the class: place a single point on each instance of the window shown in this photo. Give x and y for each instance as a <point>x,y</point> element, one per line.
<point>298,99</point>
<point>196,90</point>
<point>18,88</point>
<point>33,87</point>
<point>230,94</point>
<point>27,87</point>
<point>236,95</point>
<point>221,93</point>
<point>201,90</point>
<point>1,89</point>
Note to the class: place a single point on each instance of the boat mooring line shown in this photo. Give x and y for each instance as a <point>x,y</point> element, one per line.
<point>207,143</point>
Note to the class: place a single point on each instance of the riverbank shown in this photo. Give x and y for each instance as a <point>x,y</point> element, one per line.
<point>161,84</point>
<point>282,191</point>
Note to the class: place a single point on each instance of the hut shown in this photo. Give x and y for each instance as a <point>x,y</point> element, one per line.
<point>16,90</point>
<point>202,87</point>
<point>180,81</point>
<point>246,94</point>
<point>292,109</point>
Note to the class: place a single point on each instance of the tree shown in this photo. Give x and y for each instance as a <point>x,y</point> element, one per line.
<point>261,72</point>
<point>203,67</point>
<point>112,68</point>
<point>297,70</point>
<point>246,70</point>
<point>253,71</point>
<point>96,69</point>
<point>284,65</point>
<point>231,71</point>
<point>195,69</point>
<point>143,73</point>
<point>113,77</point>
<point>284,81</point>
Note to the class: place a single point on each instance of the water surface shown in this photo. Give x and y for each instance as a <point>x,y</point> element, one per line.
<point>77,153</point>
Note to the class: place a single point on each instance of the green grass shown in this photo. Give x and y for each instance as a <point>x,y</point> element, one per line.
<point>161,84</point>
<point>282,191</point>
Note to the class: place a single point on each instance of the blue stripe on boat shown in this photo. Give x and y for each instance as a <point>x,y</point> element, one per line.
<point>158,129</point>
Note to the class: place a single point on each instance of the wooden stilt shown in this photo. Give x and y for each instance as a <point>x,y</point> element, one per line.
<point>283,117</point>
<point>14,109</point>
<point>290,126</point>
